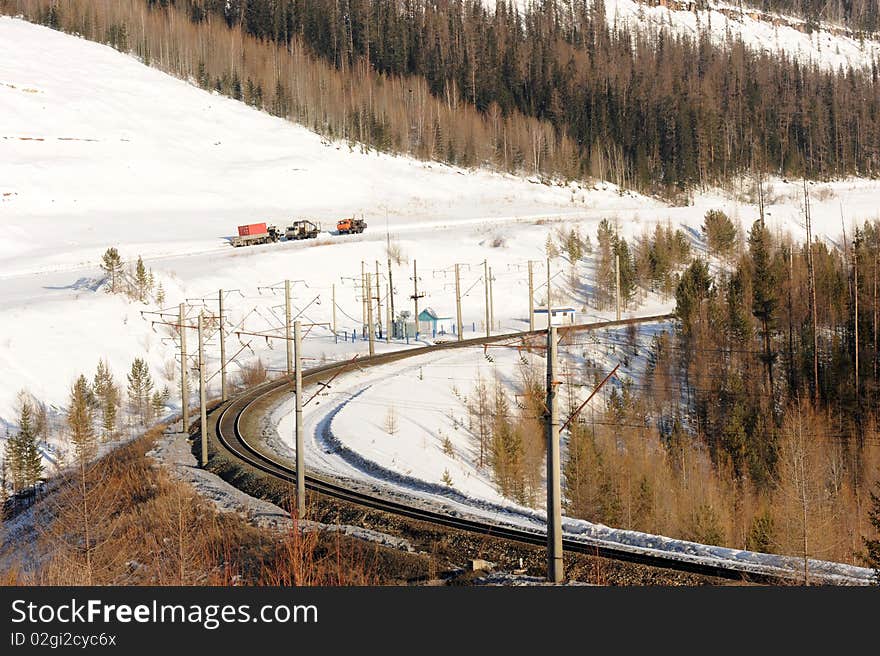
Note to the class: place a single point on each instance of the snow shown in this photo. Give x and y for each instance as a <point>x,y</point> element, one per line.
<point>831,47</point>
<point>347,440</point>
<point>154,182</point>
<point>162,169</point>
<point>168,171</point>
<point>175,452</point>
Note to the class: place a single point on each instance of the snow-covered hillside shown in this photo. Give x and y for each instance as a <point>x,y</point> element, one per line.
<point>107,152</point>
<point>832,46</point>
<point>103,150</point>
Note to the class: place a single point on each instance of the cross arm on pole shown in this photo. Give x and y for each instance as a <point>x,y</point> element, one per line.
<point>589,398</point>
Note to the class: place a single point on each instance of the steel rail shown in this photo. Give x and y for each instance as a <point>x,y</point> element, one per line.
<point>230,437</point>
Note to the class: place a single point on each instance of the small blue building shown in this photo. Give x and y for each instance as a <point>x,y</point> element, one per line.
<point>430,323</point>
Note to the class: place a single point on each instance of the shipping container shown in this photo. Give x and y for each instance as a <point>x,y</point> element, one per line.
<point>252,229</point>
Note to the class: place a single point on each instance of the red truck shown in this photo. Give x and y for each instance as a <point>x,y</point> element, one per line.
<point>256,233</point>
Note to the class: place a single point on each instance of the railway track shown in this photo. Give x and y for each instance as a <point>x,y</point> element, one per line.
<point>230,438</point>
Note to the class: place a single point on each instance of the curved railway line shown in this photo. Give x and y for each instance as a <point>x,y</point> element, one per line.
<point>230,438</point>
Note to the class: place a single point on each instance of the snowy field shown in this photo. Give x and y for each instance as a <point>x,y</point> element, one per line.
<point>106,152</point>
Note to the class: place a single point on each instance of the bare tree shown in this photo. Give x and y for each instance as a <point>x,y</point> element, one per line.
<point>392,424</point>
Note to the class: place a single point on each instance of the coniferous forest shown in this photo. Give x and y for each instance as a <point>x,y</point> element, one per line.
<point>554,91</point>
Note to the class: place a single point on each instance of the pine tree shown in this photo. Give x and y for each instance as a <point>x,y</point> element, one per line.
<point>720,232</point>
<point>479,408</point>
<point>158,400</point>
<point>140,387</point>
<point>107,394</point>
<point>579,470</point>
<point>143,280</point>
<point>30,460</point>
<point>506,448</point>
<point>111,265</point>
<point>764,289</point>
<point>693,289</point>
<point>574,245</point>
<point>160,295</point>
<point>5,481</point>
<point>627,271</point>
<point>760,535</point>
<point>605,276</point>
<point>15,460</point>
<point>81,422</point>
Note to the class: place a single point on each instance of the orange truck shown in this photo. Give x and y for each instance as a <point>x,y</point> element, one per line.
<point>350,226</point>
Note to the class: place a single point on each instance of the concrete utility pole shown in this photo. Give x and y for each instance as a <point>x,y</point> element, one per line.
<point>184,382</point>
<point>378,296</point>
<point>617,282</point>
<point>458,303</point>
<point>549,297</point>
<point>202,392</point>
<point>389,313</point>
<point>300,455</point>
<point>555,572</point>
<point>813,313</point>
<point>390,290</point>
<point>486,292</point>
<point>333,292</point>
<point>491,300</point>
<point>287,339</point>
<point>370,312</point>
<point>531,297</point>
<point>222,351</point>
<point>415,298</point>
<point>364,300</point>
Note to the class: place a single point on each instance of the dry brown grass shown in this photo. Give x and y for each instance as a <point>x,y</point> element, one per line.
<point>150,529</point>
<point>253,374</point>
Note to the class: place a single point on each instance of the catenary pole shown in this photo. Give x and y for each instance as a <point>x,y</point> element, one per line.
<point>287,339</point>
<point>531,297</point>
<point>223,395</point>
<point>390,290</point>
<point>458,303</point>
<point>617,283</point>
<point>184,382</point>
<point>368,291</point>
<point>333,287</point>
<point>202,392</point>
<point>486,292</point>
<point>491,300</point>
<point>300,455</point>
<point>378,297</point>
<point>549,296</point>
<point>555,571</point>
<point>415,298</point>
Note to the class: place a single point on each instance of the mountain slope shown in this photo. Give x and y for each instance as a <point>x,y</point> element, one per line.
<point>104,151</point>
